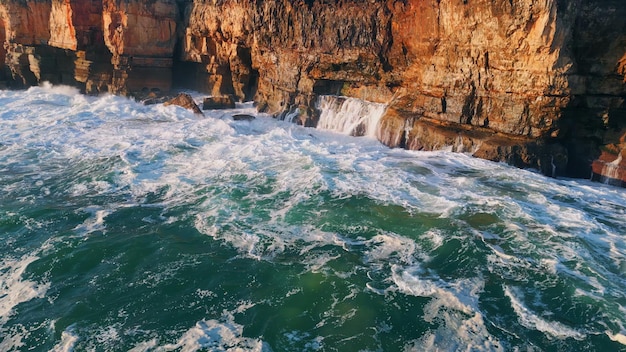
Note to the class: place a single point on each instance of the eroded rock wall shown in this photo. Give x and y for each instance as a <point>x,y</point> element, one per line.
<point>536,83</point>
<point>284,52</point>
<point>3,54</point>
<point>51,41</point>
<point>533,83</point>
<point>141,36</point>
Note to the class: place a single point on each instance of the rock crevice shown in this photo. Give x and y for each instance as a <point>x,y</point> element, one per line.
<point>534,83</point>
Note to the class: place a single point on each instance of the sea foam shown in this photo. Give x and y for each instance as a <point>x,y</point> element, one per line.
<point>272,190</point>
<point>532,321</point>
<point>14,289</point>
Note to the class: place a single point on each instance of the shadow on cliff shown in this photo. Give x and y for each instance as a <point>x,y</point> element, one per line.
<point>594,120</point>
<point>29,65</point>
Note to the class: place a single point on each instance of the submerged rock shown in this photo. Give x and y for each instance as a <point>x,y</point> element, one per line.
<point>186,101</point>
<point>243,117</point>
<point>218,102</point>
<point>152,98</point>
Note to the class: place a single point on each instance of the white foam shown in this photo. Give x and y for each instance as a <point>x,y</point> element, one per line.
<point>384,246</point>
<point>435,237</point>
<point>348,115</point>
<point>14,289</point>
<point>145,346</point>
<point>68,341</point>
<point>13,338</point>
<point>531,320</point>
<point>244,182</point>
<point>94,223</point>
<point>611,170</point>
<point>108,335</point>
<point>619,337</point>
<point>457,334</point>
<point>454,306</point>
<point>215,336</point>
<point>59,89</point>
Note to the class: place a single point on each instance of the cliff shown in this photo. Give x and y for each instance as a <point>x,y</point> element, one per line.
<point>533,83</point>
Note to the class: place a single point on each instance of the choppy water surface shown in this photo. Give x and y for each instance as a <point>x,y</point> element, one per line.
<point>145,228</point>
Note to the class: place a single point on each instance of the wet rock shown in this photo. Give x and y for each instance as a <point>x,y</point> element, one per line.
<point>186,101</point>
<point>152,97</point>
<point>610,167</point>
<point>243,117</point>
<point>218,102</point>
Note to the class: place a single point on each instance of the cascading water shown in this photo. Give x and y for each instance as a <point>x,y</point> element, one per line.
<point>349,116</point>
<point>130,227</point>
<point>611,170</point>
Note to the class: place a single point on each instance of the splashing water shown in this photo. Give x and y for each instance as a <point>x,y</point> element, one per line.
<point>350,116</point>
<point>144,228</point>
<point>611,170</point>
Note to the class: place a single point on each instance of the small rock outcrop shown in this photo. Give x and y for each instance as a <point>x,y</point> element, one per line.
<point>243,117</point>
<point>218,102</point>
<point>186,101</point>
<point>610,168</point>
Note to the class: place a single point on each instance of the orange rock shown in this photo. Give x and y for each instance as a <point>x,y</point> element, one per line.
<point>140,28</point>
<point>218,102</point>
<point>186,101</point>
<point>610,168</point>
<point>26,22</point>
<point>547,75</point>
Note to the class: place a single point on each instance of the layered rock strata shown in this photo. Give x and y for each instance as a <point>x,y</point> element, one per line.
<point>535,83</point>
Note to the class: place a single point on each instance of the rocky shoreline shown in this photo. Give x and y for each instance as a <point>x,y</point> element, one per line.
<point>537,84</point>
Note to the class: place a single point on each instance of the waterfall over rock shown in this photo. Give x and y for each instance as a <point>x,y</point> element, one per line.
<point>349,116</point>
<point>611,170</point>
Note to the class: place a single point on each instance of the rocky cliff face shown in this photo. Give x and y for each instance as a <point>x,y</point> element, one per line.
<point>536,83</point>
<point>533,83</point>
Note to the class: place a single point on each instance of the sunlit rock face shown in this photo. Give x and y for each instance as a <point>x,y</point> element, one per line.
<point>537,84</point>
<point>283,53</point>
<point>533,83</point>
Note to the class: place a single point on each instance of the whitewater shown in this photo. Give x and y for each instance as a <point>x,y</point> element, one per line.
<point>127,227</point>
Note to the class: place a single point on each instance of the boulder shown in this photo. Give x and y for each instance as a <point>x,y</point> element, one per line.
<point>218,102</point>
<point>243,117</point>
<point>186,101</point>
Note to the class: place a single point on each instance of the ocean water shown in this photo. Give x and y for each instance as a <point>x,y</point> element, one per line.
<point>126,227</point>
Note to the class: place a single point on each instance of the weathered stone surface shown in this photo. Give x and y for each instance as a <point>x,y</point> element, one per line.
<point>3,51</point>
<point>26,22</point>
<point>74,24</point>
<point>186,101</point>
<point>610,166</point>
<point>140,28</point>
<point>24,26</point>
<point>529,82</point>
<point>525,70</point>
<point>276,50</point>
<point>218,102</point>
<point>611,169</point>
<point>141,36</point>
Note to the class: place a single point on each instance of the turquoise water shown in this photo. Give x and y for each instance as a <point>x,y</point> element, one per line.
<point>144,228</point>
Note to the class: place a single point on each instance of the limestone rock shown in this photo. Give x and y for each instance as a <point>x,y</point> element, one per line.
<point>534,83</point>
<point>610,168</point>
<point>218,102</point>
<point>186,101</point>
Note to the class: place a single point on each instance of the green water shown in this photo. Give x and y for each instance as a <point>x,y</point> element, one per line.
<point>126,227</point>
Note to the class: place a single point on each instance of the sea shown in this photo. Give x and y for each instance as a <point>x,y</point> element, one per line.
<point>131,227</point>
